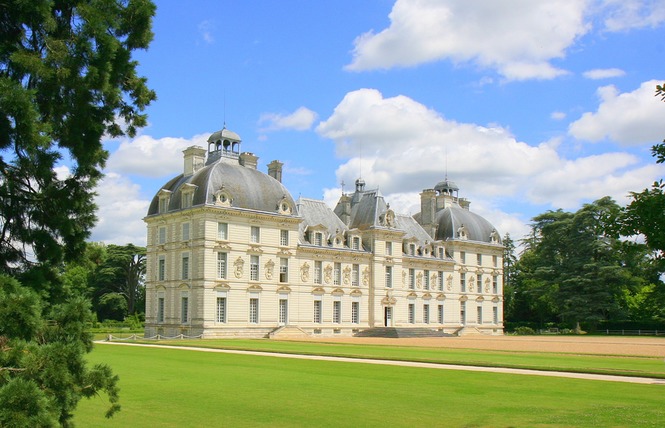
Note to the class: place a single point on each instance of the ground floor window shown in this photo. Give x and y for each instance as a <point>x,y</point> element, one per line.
<point>462,313</point>
<point>426,313</point>
<point>160,309</point>
<point>221,309</point>
<point>440,314</point>
<point>283,311</point>
<point>337,312</point>
<point>184,309</point>
<point>254,310</point>
<point>495,313</point>
<point>480,315</point>
<point>355,312</point>
<point>412,313</point>
<point>317,311</point>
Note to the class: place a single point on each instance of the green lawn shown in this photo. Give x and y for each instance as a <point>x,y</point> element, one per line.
<point>167,387</point>
<point>603,364</point>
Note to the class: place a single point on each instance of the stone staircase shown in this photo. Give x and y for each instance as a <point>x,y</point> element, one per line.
<point>395,332</point>
<point>287,332</point>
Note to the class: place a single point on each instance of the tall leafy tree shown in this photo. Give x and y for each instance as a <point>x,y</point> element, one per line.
<point>123,274</point>
<point>573,268</point>
<point>67,78</point>
<point>644,215</point>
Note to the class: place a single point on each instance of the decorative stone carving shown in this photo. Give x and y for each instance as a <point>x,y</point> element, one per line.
<point>472,284</point>
<point>419,280</point>
<point>487,285</point>
<point>366,276</point>
<point>269,269</point>
<point>327,274</point>
<point>403,278</point>
<point>347,275</point>
<point>238,266</point>
<point>304,272</point>
<point>449,282</point>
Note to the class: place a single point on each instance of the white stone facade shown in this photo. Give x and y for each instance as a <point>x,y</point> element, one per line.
<point>231,254</point>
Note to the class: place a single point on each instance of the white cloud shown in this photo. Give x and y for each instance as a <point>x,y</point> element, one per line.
<point>300,120</point>
<point>121,209</point>
<point>150,157</point>
<point>206,29</point>
<point>603,73</point>
<point>518,38</point>
<point>558,115</point>
<point>62,172</point>
<point>401,147</point>
<point>621,15</point>
<point>629,118</point>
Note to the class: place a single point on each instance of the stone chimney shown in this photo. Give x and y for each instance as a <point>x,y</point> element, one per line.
<point>275,170</point>
<point>427,206</point>
<point>464,203</point>
<point>249,160</point>
<point>194,159</point>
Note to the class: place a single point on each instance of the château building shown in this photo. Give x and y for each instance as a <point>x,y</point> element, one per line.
<point>230,253</point>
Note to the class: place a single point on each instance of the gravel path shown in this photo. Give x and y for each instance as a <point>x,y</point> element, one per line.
<point>627,379</point>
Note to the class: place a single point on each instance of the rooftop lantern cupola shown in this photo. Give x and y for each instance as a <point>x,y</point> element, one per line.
<point>223,144</point>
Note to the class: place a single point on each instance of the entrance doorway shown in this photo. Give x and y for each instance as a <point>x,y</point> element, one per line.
<point>283,311</point>
<point>388,316</point>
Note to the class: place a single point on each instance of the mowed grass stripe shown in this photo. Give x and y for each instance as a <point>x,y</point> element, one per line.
<point>167,387</point>
<point>598,364</point>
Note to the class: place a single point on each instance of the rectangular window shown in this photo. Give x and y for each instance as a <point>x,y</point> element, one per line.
<point>254,310</point>
<point>389,248</point>
<point>426,284</point>
<point>355,275</point>
<point>495,261</point>
<point>222,231</point>
<point>412,313</point>
<point>356,243</point>
<point>337,312</point>
<point>254,268</point>
<point>495,284</point>
<point>440,314</point>
<point>426,313</point>
<point>412,249</point>
<point>162,235</point>
<point>495,314</point>
<point>462,257</point>
<point>317,311</point>
<point>283,311</point>
<point>221,309</point>
<point>479,259</point>
<point>187,199</point>
<point>163,205</point>
<point>440,279</point>
<point>389,277</point>
<point>337,274</point>
<point>161,268</point>
<point>160,309</point>
<point>283,269</point>
<point>462,282</point>
<point>355,312</point>
<point>283,238</point>
<point>185,266</point>
<point>185,231</point>
<point>317,272</point>
<point>462,313</point>
<point>318,239</point>
<point>479,319</point>
<point>441,252</point>
<point>255,235</point>
<point>479,283</point>
<point>412,279</point>
<point>222,259</point>
<point>184,309</point>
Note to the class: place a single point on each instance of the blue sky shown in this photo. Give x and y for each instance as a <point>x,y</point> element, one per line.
<point>528,106</point>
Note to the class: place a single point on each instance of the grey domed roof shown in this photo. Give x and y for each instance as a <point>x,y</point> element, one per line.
<point>244,187</point>
<point>452,218</point>
<point>446,186</point>
<point>223,134</point>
